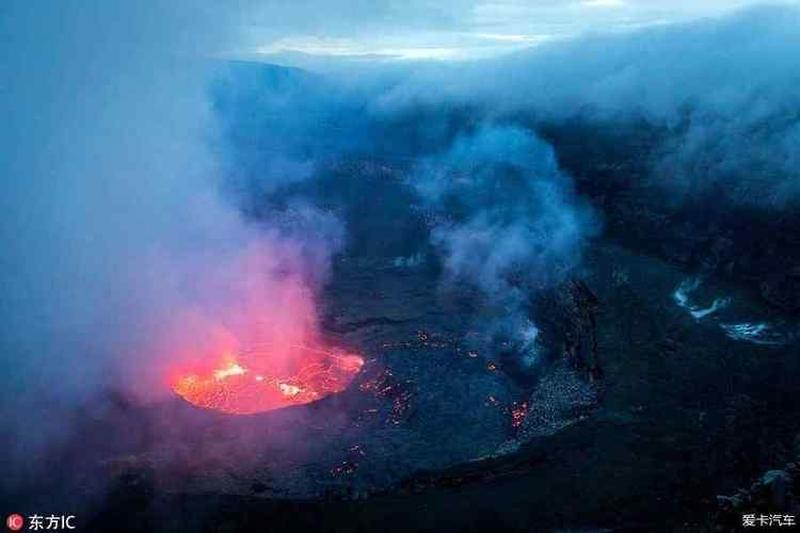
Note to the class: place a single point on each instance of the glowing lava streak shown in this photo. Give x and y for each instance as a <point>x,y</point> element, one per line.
<point>240,385</point>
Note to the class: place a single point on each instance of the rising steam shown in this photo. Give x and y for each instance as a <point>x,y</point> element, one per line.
<point>511,224</point>
<point>126,255</point>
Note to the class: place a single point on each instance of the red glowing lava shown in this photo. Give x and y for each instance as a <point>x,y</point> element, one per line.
<point>240,383</point>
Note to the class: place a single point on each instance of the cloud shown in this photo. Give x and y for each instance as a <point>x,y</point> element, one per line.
<point>123,252</point>
<point>452,30</point>
<point>603,3</point>
<point>721,90</point>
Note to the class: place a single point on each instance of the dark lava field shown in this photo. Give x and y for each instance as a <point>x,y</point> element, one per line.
<point>655,397</point>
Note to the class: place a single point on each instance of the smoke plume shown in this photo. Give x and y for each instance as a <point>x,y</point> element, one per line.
<point>124,252</point>
<point>511,224</point>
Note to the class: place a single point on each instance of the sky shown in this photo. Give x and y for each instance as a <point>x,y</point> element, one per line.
<point>451,29</point>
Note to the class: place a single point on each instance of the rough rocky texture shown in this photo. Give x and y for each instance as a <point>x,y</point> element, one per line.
<point>724,232</point>
<point>424,402</point>
<point>686,414</point>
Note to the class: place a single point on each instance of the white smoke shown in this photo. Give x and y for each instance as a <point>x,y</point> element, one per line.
<point>512,224</point>
<point>119,252</point>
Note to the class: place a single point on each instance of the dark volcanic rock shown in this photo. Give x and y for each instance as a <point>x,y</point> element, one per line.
<point>776,493</point>
<point>424,401</point>
<point>726,232</point>
<point>676,392</point>
<point>783,290</point>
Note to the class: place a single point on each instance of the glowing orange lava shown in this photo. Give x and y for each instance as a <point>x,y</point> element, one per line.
<point>241,384</point>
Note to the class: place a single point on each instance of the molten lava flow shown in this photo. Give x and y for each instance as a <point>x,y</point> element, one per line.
<point>242,384</point>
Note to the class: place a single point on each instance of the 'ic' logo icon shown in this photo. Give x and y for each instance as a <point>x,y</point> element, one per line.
<point>14,522</point>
